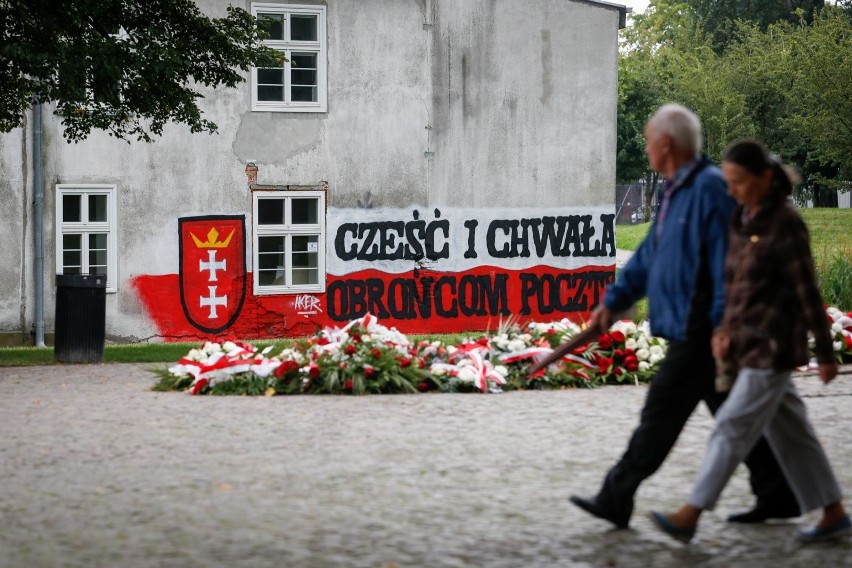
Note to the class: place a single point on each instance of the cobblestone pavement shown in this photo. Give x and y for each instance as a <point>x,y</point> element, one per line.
<point>98,470</point>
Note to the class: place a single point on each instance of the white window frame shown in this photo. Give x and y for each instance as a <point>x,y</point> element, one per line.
<point>288,230</point>
<point>84,228</point>
<point>287,47</point>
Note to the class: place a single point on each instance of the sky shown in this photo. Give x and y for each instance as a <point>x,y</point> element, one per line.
<point>637,5</point>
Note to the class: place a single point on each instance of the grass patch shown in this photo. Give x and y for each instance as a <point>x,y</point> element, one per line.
<point>831,232</point>
<point>628,237</point>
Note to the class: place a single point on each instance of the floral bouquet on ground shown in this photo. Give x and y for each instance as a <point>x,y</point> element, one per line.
<point>365,357</point>
<point>469,367</point>
<point>230,367</point>
<point>841,333</point>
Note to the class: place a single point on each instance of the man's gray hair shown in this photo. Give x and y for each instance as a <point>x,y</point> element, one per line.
<point>681,124</point>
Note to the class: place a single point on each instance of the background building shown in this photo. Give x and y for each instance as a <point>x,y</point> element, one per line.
<point>442,164</point>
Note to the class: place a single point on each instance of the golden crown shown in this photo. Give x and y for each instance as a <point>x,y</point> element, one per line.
<point>211,242</point>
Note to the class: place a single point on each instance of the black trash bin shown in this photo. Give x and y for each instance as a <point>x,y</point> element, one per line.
<point>80,318</point>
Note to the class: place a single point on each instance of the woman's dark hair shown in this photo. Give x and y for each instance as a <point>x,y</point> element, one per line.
<point>754,157</point>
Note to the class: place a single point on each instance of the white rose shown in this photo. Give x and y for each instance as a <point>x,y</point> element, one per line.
<point>654,359</point>
<point>467,374</point>
<point>516,345</point>
<point>643,354</point>
<point>836,327</point>
<point>657,351</point>
<point>630,344</point>
<point>642,343</point>
<point>838,346</point>
<point>644,365</point>
<point>501,370</point>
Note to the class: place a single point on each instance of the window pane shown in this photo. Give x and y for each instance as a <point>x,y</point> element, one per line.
<point>305,259</point>
<point>304,78</point>
<point>270,76</point>
<point>305,211</point>
<point>97,253</point>
<point>303,61</point>
<point>303,94</point>
<point>274,24</point>
<point>98,241</point>
<point>71,254</point>
<point>303,28</point>
<point>305,251</point>
<point>270,260</point>
<point>71,208</point>
<point>270,93</point>
<point>270,212</point>
<point>97,208</point>
<point>305,276</point>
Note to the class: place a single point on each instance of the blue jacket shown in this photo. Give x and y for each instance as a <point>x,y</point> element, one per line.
<point>694,232</point>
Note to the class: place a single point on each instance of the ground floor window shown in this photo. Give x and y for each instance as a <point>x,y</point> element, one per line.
<point>86,231</point>
<point>288,229</point>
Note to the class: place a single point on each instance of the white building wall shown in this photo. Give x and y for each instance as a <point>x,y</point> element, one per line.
<point>450,103</point>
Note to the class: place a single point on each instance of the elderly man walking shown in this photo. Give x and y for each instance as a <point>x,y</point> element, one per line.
<point>680,268</point>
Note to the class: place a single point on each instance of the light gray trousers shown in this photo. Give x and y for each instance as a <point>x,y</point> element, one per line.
<point>763,401</point>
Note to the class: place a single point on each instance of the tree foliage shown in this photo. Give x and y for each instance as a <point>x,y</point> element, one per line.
<point>127,67</point>
<point>784,81</point>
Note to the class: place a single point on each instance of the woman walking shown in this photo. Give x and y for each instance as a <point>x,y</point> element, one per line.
<point>772,301</point>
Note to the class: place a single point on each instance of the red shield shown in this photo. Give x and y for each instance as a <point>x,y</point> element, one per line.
<point>212,270</point>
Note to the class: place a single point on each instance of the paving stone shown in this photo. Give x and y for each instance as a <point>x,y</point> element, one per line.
<point>98,470</point>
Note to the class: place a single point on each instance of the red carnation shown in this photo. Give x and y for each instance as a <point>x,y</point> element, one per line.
<point>617,336</point>
<point>618,371</point>
<point>604,341</point>
<point>314,371</point>
<point>369,372</point>
<point>848,339</point>
<point>347,384</point>
<point>618,354</point>
<point>405,362</point>
<point>604,363</point>
<point>350,349</point>
<point>376,352</point>
<point>356,338</point>
<point>285,367</point>
<point>423,386</point>
<point>631,363</point>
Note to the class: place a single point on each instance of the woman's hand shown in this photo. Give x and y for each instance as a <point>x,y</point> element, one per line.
<point>827,372</point>
<point>721,344</point>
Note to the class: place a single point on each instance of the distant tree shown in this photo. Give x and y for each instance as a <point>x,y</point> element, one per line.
<point>126,67</point>
<point>719,17</point>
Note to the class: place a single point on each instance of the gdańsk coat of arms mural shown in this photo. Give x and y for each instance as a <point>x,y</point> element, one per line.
<point>212,270</point>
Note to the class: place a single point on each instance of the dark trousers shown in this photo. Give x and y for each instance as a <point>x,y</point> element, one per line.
<point>685,377</point>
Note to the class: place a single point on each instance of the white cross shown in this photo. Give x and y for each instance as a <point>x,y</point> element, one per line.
<point>212,265</point>
<point>213,300</point>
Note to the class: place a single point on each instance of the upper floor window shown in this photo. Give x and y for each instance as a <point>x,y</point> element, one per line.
<point>299,85</point>
<point>289,241</point>
<point>86,231</point>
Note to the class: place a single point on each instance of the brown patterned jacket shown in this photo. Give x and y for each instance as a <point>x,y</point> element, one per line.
<point>772,298</point>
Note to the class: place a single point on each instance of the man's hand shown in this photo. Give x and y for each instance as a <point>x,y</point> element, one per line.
<point>721,344</point>
<point>827,372</point>
<point>602,317</point>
